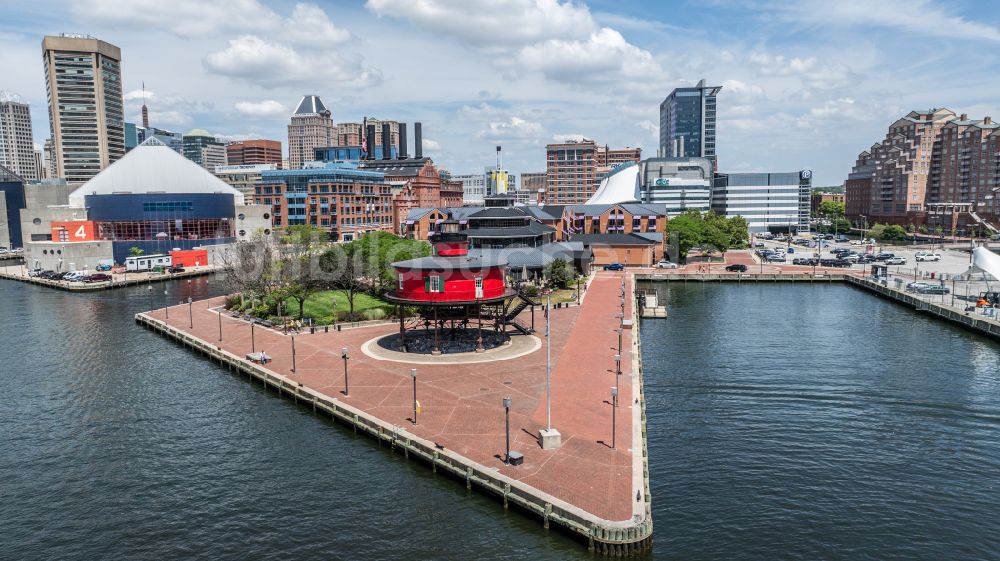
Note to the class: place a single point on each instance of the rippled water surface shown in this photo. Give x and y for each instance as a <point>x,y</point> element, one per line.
<point>819,422</point>
<point>785,422</point>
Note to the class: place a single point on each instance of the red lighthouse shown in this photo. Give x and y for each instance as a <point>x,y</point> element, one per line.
<point>452,290</point>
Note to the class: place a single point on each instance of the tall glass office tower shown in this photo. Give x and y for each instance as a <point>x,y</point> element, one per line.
<point>687,123</point>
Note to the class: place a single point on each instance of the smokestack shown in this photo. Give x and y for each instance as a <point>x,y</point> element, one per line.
<point>386,138</point>
<point>418,141</point>
<point>402,141</point>
<point>370,138</point>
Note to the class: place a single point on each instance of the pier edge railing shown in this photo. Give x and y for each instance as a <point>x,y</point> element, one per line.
<point>607,537</point>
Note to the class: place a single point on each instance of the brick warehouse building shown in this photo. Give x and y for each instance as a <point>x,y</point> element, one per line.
<point>418,184</point>
<point>253,152</point>
<point>338,197</point>
<point>934,169</point>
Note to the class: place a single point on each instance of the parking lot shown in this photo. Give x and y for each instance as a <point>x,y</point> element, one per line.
<point>953,261</point>
<point>117,277</point>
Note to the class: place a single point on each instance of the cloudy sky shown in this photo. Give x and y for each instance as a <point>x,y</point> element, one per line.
<point>807,84</point>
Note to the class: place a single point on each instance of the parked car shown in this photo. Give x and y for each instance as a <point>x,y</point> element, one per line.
<point>933,289</point>
<point>175,269</point>
<point>34,272</point>
<point>915,286</point>
<point>99,277</point>
<point>928,257</point>
<point>614,267</point>
<point>776,258</point>
<point>895,261</point>
<point>759,244</point>
<point>857,242</point>
<point>74,276</point>
<point>736,268</point>
<point>103,267</point>
<point>842,238</point>
<point>883,256</point>
<point>666,264</point>
<point>852,257</point>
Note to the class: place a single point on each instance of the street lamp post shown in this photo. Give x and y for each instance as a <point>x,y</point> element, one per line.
<point>506,409</point>
<point>253,346</point>
<point>220,324</point>
<point>190,313</point>
<point>293,352</point>
<point>343,355</point>
<point>618,367</point>
<point>619,331</point>
<point>413,374</point>
<point>614,416</point>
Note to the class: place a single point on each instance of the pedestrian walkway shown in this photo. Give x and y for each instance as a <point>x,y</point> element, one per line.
<point>460,405</point>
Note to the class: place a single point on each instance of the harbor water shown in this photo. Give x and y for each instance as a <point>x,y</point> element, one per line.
<point>785,422</point>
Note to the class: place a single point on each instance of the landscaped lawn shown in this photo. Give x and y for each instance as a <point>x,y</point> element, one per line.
<point>320,305</point>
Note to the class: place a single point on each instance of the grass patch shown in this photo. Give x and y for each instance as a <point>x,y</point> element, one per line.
<point>321,305</point>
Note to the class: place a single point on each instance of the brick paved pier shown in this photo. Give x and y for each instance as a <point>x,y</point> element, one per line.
<point>586,487</point>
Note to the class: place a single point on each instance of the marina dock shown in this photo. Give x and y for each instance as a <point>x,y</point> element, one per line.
<point>594,487</point>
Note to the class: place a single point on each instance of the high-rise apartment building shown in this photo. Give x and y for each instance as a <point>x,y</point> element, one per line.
<point>614,158</point>
<point>687,123</point>
<point>350,134</point>
<point>17,149</point>
<point>571,172</point>
<point>204,149</point>
<point>933,168</point>
<point>252,152</point>
<point>86,115</point>
<point>311,128</point>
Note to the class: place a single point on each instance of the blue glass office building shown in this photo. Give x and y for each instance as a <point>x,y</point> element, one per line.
<point>687,123</point>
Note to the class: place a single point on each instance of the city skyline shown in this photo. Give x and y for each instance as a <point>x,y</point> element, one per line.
<point>811,86</point>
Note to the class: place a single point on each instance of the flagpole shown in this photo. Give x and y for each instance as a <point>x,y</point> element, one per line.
<point>548,361</point>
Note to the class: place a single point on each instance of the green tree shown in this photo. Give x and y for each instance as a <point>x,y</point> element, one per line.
<point>709,231</point>
<point>136,251</point>
<point>342,267</point>
<point>559,273</point>
<point>379,250</point>
<point>687,230</point>
<point>831,209</point>
<point>297,267</point>
<point>888,232</point>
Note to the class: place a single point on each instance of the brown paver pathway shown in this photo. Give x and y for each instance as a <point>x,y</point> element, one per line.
<point>461,407</point>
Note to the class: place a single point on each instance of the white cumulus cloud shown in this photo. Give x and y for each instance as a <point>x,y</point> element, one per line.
<point>267,108</point>
<point>515,127</point>
<point>493,23</point>
<point>272,64</point>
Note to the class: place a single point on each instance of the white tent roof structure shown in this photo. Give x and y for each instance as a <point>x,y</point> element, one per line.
<point>621,186</point>
<point>986,261</point>
<point>153,168</point>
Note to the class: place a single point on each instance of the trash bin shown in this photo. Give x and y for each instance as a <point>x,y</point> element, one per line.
<point>932,275</point>
<point>326,329</point>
